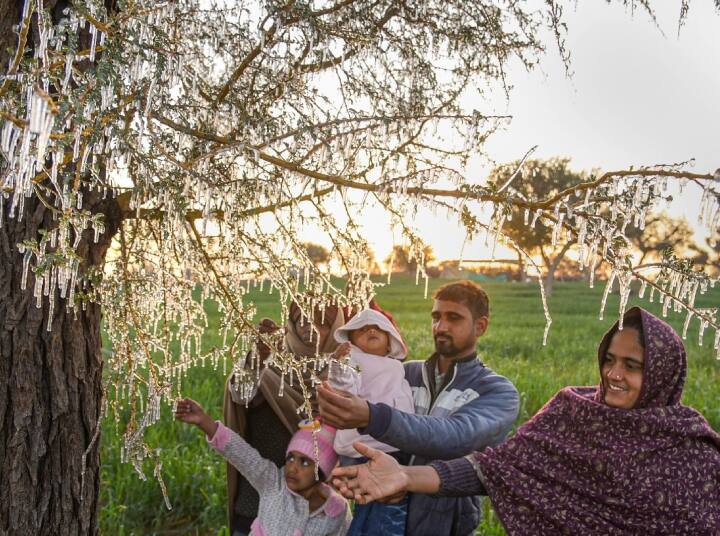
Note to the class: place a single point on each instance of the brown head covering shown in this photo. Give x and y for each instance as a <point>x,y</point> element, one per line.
<point>285,407</point>
<point>332,317</point>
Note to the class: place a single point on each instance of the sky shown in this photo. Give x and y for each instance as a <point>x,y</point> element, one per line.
<point>639,95</point>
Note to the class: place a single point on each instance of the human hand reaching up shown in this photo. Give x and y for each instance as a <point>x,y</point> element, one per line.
<point>189,411</point>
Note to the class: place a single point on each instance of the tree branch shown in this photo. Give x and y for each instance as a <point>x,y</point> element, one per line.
<point>192,215</point>
<point>435,192</point>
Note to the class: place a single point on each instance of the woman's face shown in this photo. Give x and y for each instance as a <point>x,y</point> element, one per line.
<point>622,369</point>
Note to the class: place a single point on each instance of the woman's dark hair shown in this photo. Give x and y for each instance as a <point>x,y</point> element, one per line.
<point>321,476</point>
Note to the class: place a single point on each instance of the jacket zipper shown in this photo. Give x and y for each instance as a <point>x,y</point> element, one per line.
<point>427,386</point>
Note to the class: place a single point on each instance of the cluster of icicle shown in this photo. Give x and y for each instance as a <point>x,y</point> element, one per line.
<point>87,137</point>
<point>597,222</point>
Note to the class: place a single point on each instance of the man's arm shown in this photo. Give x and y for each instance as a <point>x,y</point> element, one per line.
<point>482,422</point>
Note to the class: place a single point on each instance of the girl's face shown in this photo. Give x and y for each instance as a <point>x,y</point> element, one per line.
<point>622,369</point>
<point>371,340</point>
<point>299,472</point>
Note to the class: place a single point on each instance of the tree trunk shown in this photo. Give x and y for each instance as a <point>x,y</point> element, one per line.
<point>50,390</point>
<point>551,265</point>
<point>549,281</point>
<point>550,272</point>
<point>521,268</point>
<point>50,381</point>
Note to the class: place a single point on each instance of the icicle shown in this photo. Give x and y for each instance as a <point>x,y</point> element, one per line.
<point>25,269</point>
<point>51,309</point>
<point>93,43</point>
<point>546,311</point>
<point>608,288</point>
<point>76,145</point>
<point>686,324</point>
<point>625,281</point>
<point>556,229</point>
<point>500,223</point>
<point>666,303</point>
<point>535,217</point>
<point>703,325</point>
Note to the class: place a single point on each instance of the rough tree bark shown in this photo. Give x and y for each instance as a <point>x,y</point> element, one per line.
<point>50,395</point>
<point>50,381</point>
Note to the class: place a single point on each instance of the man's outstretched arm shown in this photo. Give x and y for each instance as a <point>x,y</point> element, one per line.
<point>482,422</point>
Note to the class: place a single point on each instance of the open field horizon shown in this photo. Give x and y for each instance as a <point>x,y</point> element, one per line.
<point>195,476</point>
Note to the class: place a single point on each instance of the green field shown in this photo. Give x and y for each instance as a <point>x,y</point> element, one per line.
<point>195,476</point>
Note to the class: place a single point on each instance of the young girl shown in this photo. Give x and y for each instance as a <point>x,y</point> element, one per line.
<point>292,501</point>
<point>376,349</point>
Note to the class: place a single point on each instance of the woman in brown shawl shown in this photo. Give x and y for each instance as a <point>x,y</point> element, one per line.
<point>621,458</point>
<point>267,421</point>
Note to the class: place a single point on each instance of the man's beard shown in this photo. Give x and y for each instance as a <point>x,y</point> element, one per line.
<point>446,347</point>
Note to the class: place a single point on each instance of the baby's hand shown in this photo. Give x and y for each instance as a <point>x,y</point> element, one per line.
<point>342,351</point>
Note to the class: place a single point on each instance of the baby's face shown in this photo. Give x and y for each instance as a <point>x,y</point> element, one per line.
<point>371,340</point>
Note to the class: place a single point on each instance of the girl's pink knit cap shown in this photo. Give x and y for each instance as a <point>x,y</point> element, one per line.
<point>302,441</point>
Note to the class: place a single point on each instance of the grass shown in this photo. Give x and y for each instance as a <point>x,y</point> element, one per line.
<point>195,476</point>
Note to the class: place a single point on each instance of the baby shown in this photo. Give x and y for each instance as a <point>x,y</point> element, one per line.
<point>293,501</point>
<point>377,350</point>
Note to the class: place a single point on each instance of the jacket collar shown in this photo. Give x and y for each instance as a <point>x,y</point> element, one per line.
<point>431,362</point>
<point>461,365</point>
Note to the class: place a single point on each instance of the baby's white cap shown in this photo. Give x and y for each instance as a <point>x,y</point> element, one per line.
<point>367,317</point>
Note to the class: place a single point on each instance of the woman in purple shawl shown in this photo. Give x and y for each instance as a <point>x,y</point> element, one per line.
<point>622,458</point>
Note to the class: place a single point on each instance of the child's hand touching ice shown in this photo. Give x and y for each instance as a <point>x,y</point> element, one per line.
<point>189,411</point>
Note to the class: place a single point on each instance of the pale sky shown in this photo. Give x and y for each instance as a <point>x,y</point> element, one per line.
<point>639,95</point>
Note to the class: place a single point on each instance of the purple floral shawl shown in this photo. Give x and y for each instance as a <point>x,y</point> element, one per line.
<point>582,467</point>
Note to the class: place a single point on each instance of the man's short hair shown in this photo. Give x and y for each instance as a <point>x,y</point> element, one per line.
<point>467,293</point>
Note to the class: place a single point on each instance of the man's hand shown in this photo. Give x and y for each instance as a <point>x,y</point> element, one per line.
<point>342,410</point>
<point>381,478</point>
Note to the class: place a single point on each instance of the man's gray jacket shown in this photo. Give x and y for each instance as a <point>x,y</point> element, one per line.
<point>474,408</point>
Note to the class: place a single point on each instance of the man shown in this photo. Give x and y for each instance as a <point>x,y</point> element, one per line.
<point>460,406</point>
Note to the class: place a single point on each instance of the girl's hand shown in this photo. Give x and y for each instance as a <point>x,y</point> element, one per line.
<point>189,411</point>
